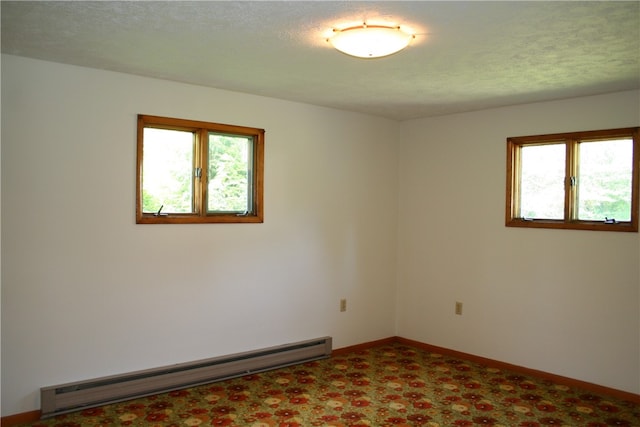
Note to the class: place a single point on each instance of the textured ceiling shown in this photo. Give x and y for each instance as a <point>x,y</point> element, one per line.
<point>466,56</point>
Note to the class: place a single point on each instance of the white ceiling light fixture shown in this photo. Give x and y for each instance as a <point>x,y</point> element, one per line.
<point>370,41</point>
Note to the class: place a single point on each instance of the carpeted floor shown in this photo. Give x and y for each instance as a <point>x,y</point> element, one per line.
<point>389,385</point>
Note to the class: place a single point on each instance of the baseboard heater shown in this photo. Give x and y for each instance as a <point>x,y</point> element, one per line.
<point>79,395</point>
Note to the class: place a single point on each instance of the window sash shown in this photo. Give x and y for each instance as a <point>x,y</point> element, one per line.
<point>542,174</point>
<point>168,160</point>
<point>591,175</point>
<point>224,146</point>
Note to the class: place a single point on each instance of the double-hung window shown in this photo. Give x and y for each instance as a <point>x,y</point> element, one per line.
<point>579,180</point>
<point>198,172</point>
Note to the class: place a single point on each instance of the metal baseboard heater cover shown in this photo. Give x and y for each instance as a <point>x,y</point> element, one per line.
<point>79,395</point>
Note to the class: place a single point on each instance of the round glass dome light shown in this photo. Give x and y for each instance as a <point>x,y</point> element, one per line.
<point>370,41</point>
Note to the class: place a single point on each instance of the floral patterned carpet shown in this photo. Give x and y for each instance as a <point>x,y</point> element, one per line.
<point>389,385</point>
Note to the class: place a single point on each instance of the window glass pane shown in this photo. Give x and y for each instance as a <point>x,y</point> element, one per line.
<point>604,180</point>
<point>167,171</point>
<point>230,169</point>
<point>542,181</point>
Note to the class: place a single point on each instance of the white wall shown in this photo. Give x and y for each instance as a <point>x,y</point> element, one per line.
<point>86,292</point>
<point>561,301</point>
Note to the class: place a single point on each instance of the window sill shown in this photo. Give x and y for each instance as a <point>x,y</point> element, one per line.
<point>191,219</point>
<point>574,225</point>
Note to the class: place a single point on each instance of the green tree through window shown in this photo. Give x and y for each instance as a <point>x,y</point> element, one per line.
<point>229,173</point>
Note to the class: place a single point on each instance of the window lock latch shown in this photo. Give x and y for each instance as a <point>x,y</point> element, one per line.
<point>159,210</point>
<point>610,220</point>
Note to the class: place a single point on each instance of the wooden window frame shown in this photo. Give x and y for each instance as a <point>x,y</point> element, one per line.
<point>201,130</point>
<point>571,141</point>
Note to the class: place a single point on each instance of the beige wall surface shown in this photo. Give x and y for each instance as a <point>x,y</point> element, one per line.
<point>86,292</point>
<point>560,301</point>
